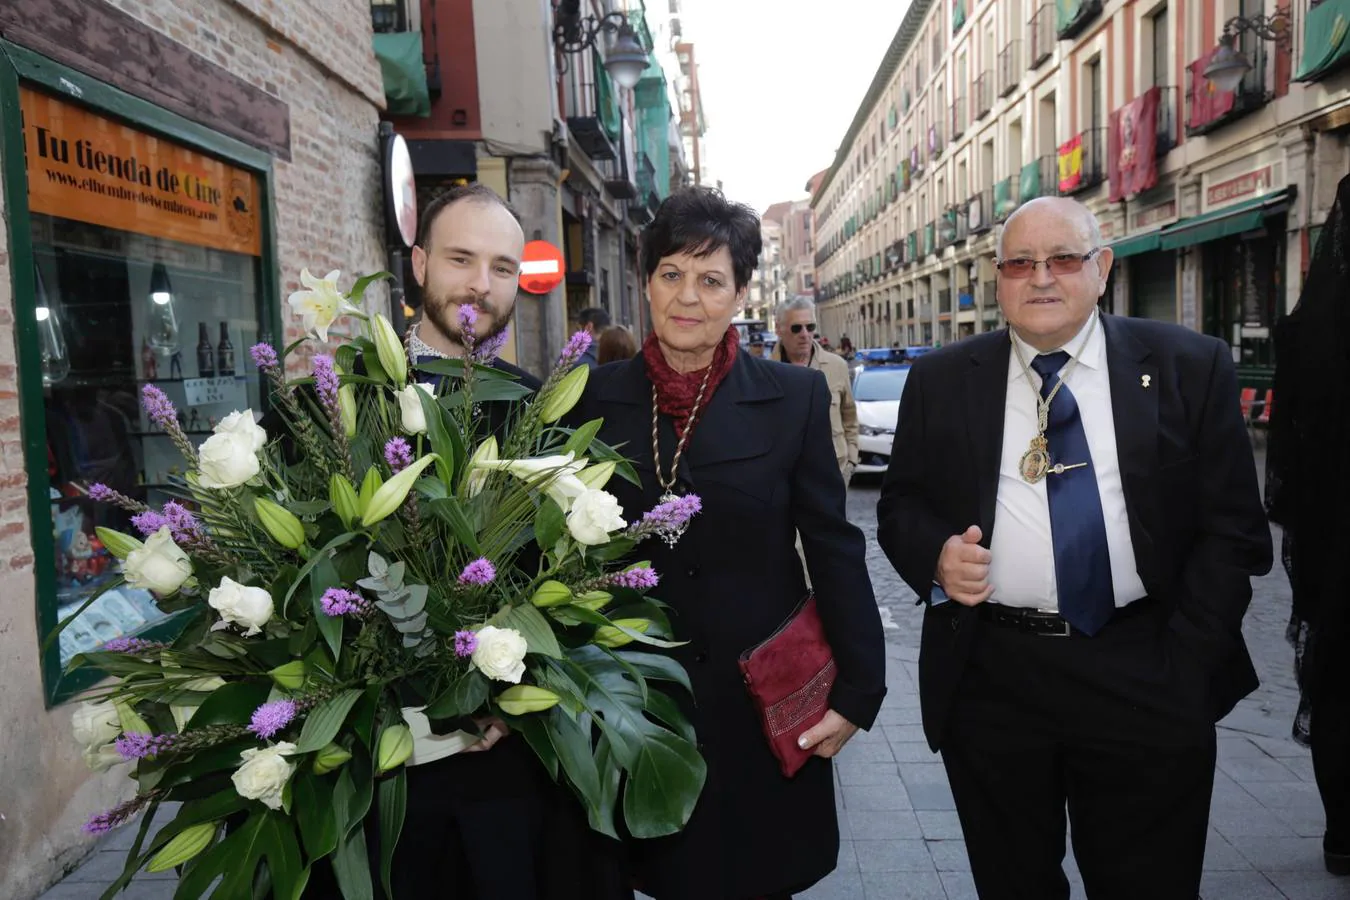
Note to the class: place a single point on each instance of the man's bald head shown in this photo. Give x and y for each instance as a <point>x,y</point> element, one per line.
<point>1064,206</point>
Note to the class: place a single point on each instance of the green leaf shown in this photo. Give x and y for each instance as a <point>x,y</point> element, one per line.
<point>351,865</point>
<point>549,523</point>
<point>323,577</point>
<point>663,785</point>
<point>615,549</point>
<point>232,704</point>
<point>345,357</point>
<point>453,368</point>
<point>358,290</point>
<point>278,844</point>
<point>652,665</point>
<point>662,707</point>
<point>393,806</point>
<point>303,508</point>
<point>61,626</point>
<point>218,758</point>
<point>536,735</point>
<point>580,440</point>
<point>325,721</point>
<point>314,813</point>
<point>135,859</point>
<point>235,858</point>
<point>611,776</point>
<point>452,513</point>
<point>324,554</point>
<point>465,697</point>
<point>573,745</point>
<point>486,390</point>
<point>531,623</point>
<point>373,368</point>
<point>363,716</point>
<point>448,450</point>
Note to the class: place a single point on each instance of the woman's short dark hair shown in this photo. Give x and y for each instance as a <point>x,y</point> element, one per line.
<point>700,221</point>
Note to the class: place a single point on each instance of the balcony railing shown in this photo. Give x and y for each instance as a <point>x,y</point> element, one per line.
<point>1009,68</point>
<point>984,93</point>
<point>944,300</point>
<point>592,114</point>
<point>935,144</point>
<point>960,111</point>
<point>1074,15</point>
<point>1091,164</point>
<point>979,215</point>
<point>1208,110</point>
<point>930,238</point>
<point>1040,178</point>
<point>1168,124</point>
<point>1005,197</point>
<point>1042,35</point>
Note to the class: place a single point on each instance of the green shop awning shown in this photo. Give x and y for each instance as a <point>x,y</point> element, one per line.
<point>1326,40</point>
<point>405,75</point>
<point>1245,216</point>
<point>1133,246</point>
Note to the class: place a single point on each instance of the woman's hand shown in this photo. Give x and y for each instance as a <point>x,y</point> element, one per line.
<point>829,736</point>
<point>494,729</point>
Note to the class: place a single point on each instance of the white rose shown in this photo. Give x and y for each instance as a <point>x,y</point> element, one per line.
<point>101,759</point>
<point>227,460</point>
<point>264,773</point>
<point>95,723</point>
<point>248,607</point>
<point>500,653</point>
<point>158,565</point>
<point>242,424</point>
<point>594,515</point>
<point>410,405</point>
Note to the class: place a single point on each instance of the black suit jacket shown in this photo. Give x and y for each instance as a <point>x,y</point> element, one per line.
<point>1196,521</point>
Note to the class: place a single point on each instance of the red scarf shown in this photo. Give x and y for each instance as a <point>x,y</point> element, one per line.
<point>675,391</point>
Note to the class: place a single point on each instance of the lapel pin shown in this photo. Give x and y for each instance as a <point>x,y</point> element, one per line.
<point>1145,379</point>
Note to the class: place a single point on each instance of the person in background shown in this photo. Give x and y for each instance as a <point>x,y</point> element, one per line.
<point>1307,491</point>
<point>795,322</point>
<point>1074,500</point>
<point>591,320</point>
<point>615,343</point>
<point>846,348</point>
<point>755,345</point>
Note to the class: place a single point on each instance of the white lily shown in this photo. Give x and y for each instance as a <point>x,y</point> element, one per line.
<point>321,303</point>
<point>478,472</point>
<point>556,476</point>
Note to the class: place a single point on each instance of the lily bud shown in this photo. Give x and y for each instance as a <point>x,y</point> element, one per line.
<point>396,745</point>
<point>593,600</point>
<point>393,358</point>
<point>183,846</point>
<point>127,718</point>
<point>369,485</point>
<point>520,699</point>
<point>329,758</point>
<point>342,496</point>
<point>393,492</point>
<point>290,676</point>
<point>280,523</point>
<point>611,637</point>
<point>597,476</point>
<point>562,398</point>
<point>347,407</point>
<point>118,544</point>
<point>551,593</point>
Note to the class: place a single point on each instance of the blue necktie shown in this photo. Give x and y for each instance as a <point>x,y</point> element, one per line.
<point>1077,526</point>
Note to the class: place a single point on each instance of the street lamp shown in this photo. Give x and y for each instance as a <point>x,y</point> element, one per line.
<point>626,58</point>
<point>1227,67</point>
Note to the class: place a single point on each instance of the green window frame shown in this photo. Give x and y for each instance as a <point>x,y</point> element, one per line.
<point>22,66</point>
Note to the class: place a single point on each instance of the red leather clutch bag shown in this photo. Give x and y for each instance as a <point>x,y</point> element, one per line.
<point>789,676</point>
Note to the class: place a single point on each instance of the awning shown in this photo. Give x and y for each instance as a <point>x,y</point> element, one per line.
<point>405,75</point>
<point>1132,246</point>
<point>1326,39</point>
<point>1245,216</point>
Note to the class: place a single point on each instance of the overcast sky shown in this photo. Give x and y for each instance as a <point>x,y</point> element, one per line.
<point>781,81</point>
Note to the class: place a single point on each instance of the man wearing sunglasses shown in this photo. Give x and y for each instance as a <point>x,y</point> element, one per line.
<point>795,322</point>
<point>1075,501</point>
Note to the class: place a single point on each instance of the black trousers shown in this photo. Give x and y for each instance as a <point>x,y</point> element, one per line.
<point>1327,683</point>
<point>1114,728</point>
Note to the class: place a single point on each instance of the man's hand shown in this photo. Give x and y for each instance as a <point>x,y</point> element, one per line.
<point>494,729</point>
<point>963,568</point>
<point>829,736</point>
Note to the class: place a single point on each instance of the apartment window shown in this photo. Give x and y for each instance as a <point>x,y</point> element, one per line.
<point>1015,146</point>
<point>1160,55</point>
<point>1094,94</point>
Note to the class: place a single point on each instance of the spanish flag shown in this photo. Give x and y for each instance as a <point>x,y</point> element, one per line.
<point>1071,164</point>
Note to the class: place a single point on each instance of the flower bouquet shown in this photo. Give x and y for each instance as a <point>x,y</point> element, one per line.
<point>403,551</point>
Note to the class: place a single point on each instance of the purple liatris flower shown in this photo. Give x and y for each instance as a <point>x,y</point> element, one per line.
<point>326,381</point>
<point>398,454</point>
<point>158,407</point>
<point>468,318</point>
<point>479,572</point>
<point>140,745</point>
<point>465,643</point>
<point>148,522</point>
<point>635,579</point>
<point>131,645</point>
<point>183,525</point>
<point>102,493</point>
<point>342,602</point>
<point>490,348</point>
<point>673,514</point>
<point>107,821</point>
<point>270,718</point>
<point>577,345</point>
<point>264,356</point>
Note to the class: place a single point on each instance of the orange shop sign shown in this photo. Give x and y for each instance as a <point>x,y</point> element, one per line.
<point>92,169</point>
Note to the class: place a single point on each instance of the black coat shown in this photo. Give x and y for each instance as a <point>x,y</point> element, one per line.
<point>762,460</point>
<point>1196,522</point>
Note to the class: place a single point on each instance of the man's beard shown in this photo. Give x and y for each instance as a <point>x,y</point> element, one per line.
<point>443,314</point>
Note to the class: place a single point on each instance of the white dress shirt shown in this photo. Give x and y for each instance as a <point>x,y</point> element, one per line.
<point>1022,568</point>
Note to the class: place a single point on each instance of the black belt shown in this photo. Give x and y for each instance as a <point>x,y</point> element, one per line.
<point>1048,624</point>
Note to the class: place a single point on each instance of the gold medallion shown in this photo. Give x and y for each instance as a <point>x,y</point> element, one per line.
<point>1036,461</point>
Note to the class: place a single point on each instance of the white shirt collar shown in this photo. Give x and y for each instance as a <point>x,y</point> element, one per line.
<point>1089,355</point>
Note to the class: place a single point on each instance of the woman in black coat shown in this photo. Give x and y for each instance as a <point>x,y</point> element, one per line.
<point>752,439</point>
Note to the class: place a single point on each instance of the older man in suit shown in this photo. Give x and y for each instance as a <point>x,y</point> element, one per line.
<point>1075,501</point>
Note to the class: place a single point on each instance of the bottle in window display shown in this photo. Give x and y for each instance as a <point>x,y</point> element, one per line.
<point>206,354</point>
<point>224,352</point>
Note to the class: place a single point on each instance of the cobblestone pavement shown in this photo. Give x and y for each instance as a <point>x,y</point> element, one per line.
<point>901,836</point>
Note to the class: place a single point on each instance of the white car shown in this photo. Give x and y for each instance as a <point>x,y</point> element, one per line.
<point>876,392</point>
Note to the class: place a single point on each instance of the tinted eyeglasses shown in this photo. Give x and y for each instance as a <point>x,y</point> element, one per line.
<point>809,326</point>
<point>1059,264</point>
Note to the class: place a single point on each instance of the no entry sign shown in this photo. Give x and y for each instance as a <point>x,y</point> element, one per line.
<point>542,269</point>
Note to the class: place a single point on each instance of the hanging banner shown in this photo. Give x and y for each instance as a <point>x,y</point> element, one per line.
<point>85,167</point>
<point>1208,104</point>
<point>1071,164</point>
<point>1133,161</point>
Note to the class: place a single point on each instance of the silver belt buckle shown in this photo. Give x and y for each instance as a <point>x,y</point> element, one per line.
<point>1068,630</point>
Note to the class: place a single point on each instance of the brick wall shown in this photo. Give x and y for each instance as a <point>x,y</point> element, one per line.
<point>315,56</point>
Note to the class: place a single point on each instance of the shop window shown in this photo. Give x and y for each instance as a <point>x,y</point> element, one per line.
<point>143,261</point>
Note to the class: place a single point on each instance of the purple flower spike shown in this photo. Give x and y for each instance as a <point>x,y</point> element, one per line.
<point>102,493</point>
<point>140,745</point>
<point>264,356</point>
<point>479,572</point>
<point>491,348</point>
<point>107,821</point>
<point>577,345</point>
<point>465,643</point>
<point>270,718</point>
<point>398,454</point>
<point>340,602</point>
<point>468,318</point>
<point>132,646</point>
<point>182,524</point>
<point>148,522</point>
<point>635,579</point>
<point>326,380</point>
<point>158,407</point>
